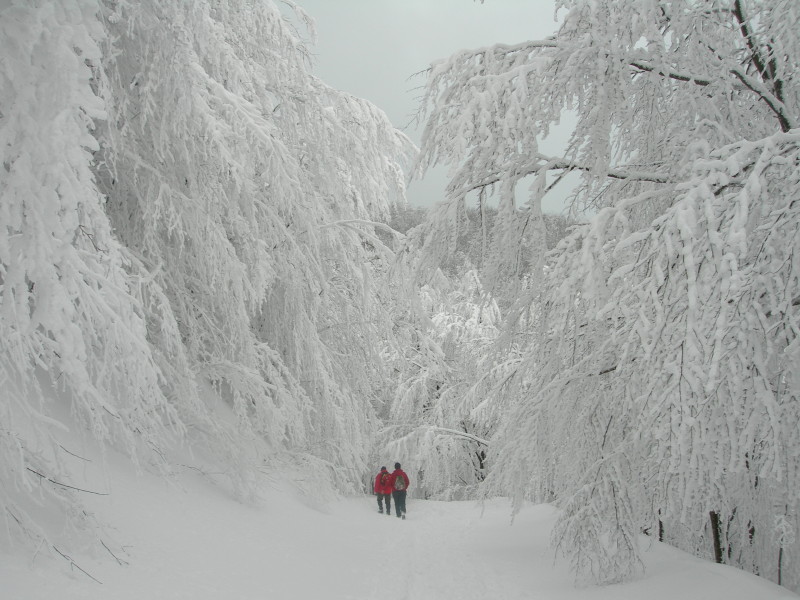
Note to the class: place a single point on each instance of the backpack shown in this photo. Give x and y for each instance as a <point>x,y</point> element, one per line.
<point>384,479</point>
<point>399,483</point>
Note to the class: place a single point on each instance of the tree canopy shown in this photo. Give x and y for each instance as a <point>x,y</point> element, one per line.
<point>656,389</point>
<point>187,252</point>
<point>194,251</point>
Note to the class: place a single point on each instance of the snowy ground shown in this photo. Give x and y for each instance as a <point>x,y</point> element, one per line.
<point>194,542</point>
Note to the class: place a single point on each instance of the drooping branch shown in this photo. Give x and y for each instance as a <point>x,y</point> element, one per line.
<point>72,563</point>
<point>64,485</point>
<point>469,436</point>
<point>548,163</point>
<point>773,101</point>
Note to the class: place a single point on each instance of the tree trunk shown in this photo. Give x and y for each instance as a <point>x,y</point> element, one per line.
<point>716,532</point>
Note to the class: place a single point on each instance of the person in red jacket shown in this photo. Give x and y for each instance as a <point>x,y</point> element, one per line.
<point>383,490</point>
<point>399,483</point>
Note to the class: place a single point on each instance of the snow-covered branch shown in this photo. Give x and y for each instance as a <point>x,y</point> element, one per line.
<point>657,337</point>
<point>178,199</point>
<point>544,163</point>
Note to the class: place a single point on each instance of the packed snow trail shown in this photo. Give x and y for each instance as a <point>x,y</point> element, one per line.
<point>186,539</point>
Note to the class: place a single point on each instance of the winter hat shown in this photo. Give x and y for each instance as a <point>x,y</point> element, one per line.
<point>383,468</point>
<point>396,465</point>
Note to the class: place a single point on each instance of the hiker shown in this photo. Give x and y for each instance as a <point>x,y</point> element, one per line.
<point>399,484</point>
<point>383,490</point>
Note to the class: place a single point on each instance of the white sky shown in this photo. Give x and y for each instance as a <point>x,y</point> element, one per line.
<point>372,49</point>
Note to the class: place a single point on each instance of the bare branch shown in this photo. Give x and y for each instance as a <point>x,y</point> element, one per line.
<point>64,485</point>
<point>72,563</point>
<point>118,559</point>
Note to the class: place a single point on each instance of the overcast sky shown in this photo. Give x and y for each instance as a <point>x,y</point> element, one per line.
<point>372,49</point>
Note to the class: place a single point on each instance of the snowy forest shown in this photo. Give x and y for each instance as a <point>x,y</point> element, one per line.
<point>206,251</point>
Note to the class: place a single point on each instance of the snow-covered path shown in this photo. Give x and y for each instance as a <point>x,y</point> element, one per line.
<point>443,550</point>
<point>193,542</point>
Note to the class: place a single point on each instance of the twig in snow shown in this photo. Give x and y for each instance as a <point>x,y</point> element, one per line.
<point>72,563</point>
<point>54,482</point>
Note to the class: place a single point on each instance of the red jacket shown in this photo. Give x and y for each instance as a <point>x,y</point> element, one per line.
<point>386,488</point>
<point>399,473</point>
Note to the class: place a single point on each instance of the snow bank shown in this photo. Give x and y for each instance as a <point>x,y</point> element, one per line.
<point>184,538</point>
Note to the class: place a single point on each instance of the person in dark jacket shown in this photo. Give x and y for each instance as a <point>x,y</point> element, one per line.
<point>399,483</point>
<point>383,490</point>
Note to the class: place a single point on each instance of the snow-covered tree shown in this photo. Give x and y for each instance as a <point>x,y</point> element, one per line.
<point>188,248</point>
<point>657,392</point>
<point>244,222</point>
<point>67,316</point>
<point>436,421</point>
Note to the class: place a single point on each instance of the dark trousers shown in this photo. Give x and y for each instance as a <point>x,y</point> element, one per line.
<point>388,499</point>
<point>399,502</point>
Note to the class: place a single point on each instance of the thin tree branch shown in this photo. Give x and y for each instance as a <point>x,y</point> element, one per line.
<point>73,454</point>
<point>773,99</point>
<point>560,164</point>
<point>54,482</point>
<point>463,434</point>
<point>118,559</point>
<point>74,564</point>
<point>676,76</point>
